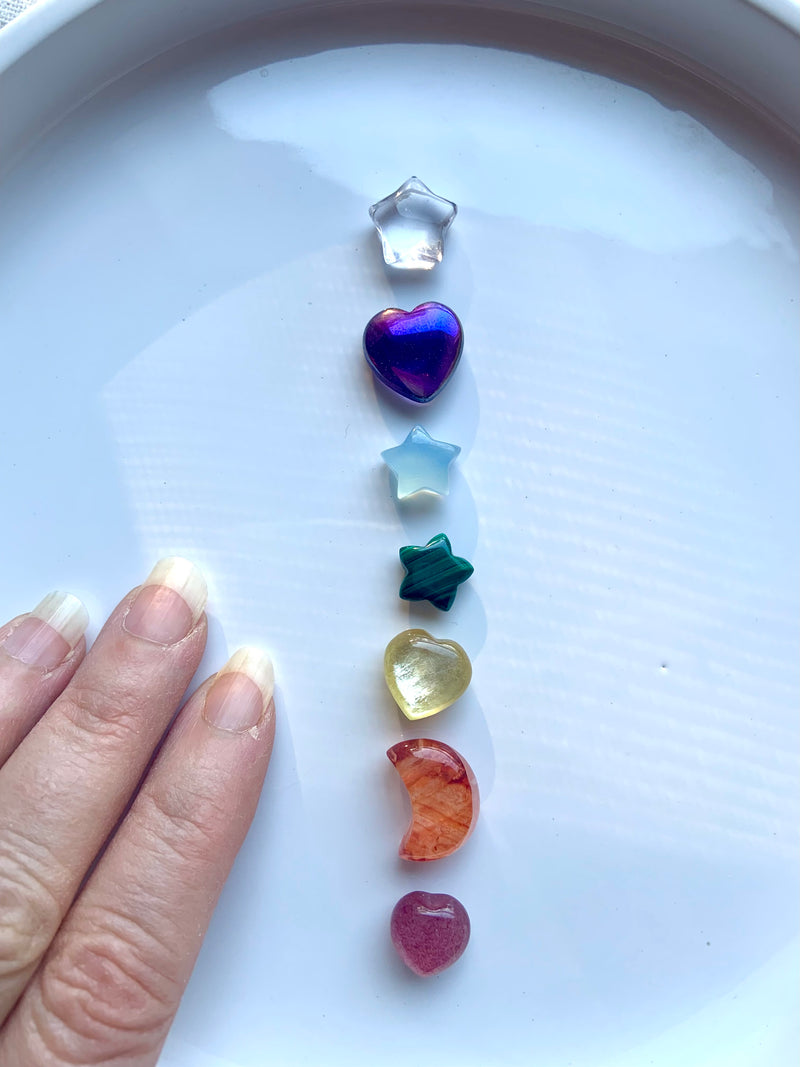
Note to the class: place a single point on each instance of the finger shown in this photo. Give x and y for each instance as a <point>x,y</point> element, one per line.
<point>39,653</point>
<point>112,980</point>
<point>66,785</point>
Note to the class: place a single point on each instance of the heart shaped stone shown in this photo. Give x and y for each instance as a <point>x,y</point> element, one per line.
<point>425,675</point>
<point>430,931</point>
<point>414,353</point>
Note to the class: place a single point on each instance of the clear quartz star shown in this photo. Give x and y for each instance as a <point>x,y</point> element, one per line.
<point>421,464</point>
<point>411,223</point>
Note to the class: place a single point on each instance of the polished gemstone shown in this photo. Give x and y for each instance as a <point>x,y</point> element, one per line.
<point>433,573</point>
<point>414,353</point>
<point>430,931</point>
<point>420,464</point>
<point>411,223</point>
<point>443,794</point>
<point>425,675</point>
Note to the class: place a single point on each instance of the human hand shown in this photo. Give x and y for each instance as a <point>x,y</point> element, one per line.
<point>93,966</point>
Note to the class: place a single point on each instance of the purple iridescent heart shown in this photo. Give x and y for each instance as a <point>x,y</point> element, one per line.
<point>414,353</point>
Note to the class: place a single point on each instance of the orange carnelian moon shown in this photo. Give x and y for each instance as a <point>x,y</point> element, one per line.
<point>444,797</point>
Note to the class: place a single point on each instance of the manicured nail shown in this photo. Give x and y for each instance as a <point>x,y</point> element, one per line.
<point>242,691</point>
<point>168,605</point>
<point>47,636</point>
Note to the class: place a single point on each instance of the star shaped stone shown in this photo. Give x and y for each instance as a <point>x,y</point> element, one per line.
<point>433,573</point>
<point>421,464</point>
<point>411,223</point>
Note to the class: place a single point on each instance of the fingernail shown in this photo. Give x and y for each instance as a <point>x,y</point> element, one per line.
<point>168,605</point>
<point>47,636</point>
<point>242,691</point>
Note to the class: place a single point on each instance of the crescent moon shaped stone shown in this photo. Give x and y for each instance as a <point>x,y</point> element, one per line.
<point>444,797</point>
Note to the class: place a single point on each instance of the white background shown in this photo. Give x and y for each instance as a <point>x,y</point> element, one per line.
<point>187,268</point>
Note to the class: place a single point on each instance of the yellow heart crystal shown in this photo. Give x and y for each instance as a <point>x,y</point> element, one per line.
<point>425,675</point>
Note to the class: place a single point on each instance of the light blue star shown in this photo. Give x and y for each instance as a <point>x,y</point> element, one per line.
<point>421,464</point>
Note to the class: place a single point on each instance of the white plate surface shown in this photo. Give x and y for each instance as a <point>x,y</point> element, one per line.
<point>187,267</point>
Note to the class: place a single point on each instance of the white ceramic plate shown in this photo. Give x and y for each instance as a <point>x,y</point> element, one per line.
<point>187,267</point>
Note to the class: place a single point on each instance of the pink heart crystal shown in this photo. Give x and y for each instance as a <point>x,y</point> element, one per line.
<point>430,931</point>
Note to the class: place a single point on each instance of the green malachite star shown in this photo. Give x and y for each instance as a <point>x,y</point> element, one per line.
<point>433,572</point>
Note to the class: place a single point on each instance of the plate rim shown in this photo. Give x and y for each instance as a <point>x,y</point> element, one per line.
<point>622,19</point>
